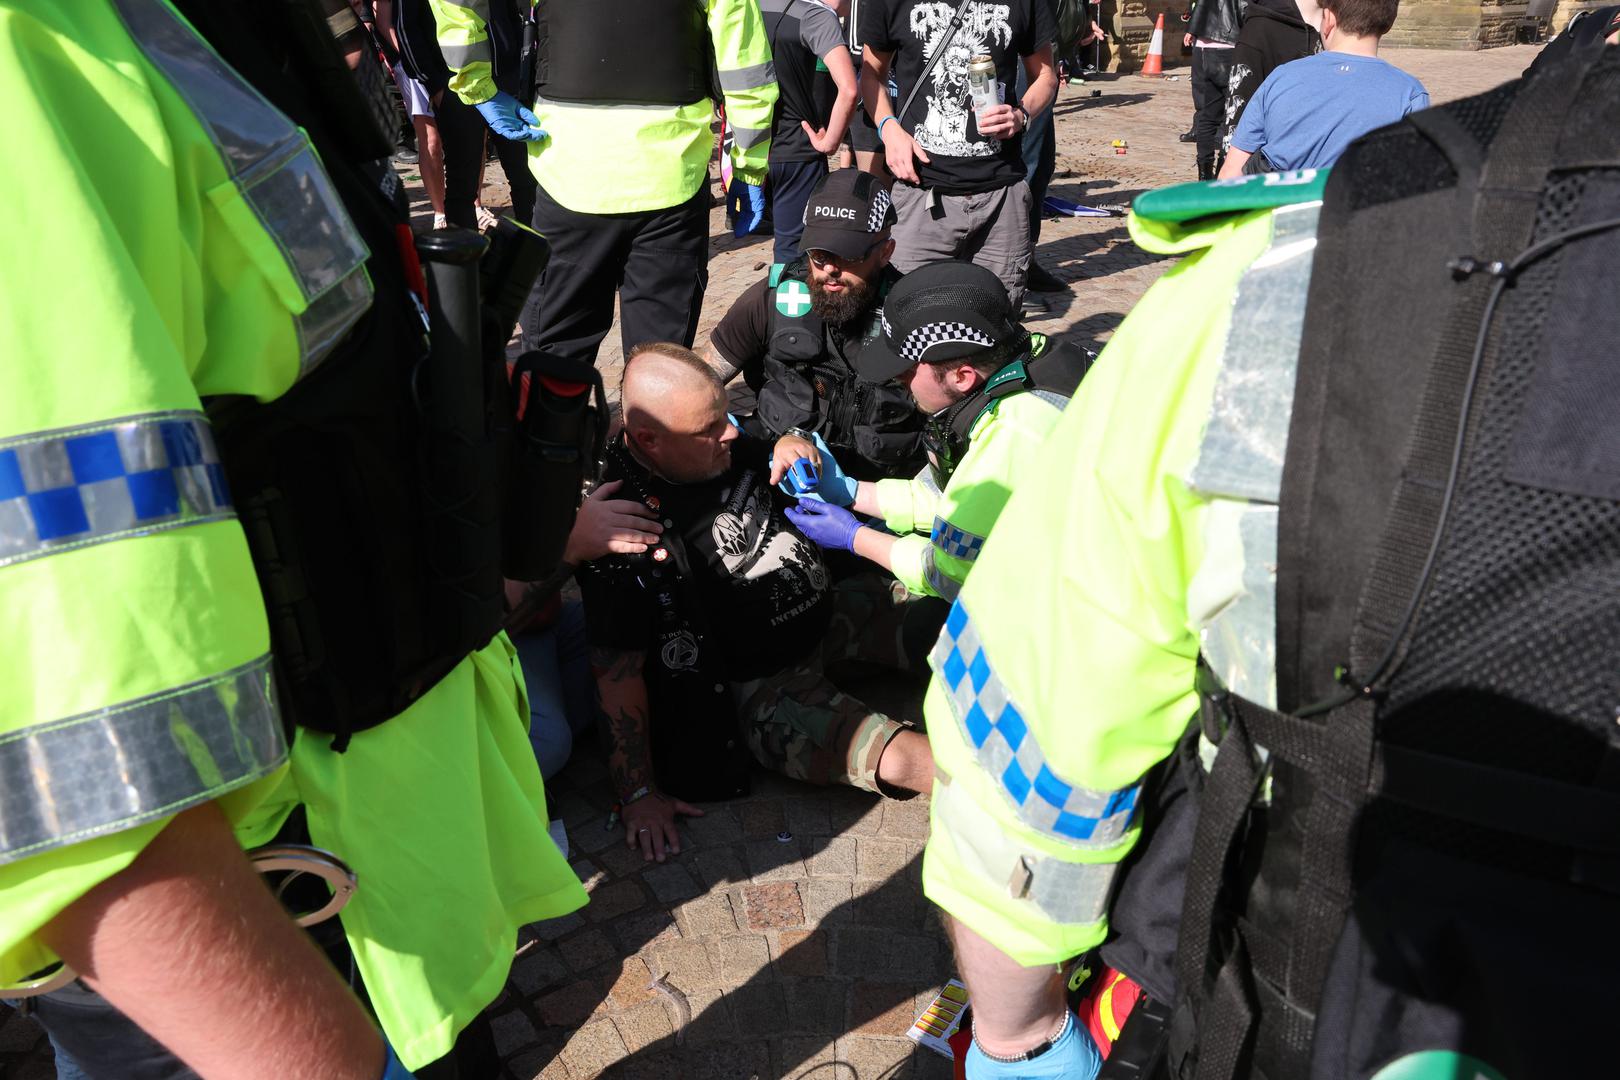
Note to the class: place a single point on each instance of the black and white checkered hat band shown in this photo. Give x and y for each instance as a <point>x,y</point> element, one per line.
<point>926,336</point>
<point>879,210</point>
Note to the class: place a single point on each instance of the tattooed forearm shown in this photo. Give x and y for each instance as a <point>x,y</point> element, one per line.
<point>720,365</point>
<point>623,691</point>
<point>631,761</point>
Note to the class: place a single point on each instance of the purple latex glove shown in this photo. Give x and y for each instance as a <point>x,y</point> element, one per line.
<point>832,527</point>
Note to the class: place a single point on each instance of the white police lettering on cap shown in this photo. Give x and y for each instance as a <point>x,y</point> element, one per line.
<point>835,212</point>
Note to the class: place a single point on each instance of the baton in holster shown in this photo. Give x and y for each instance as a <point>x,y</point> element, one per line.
<point>456,389</point>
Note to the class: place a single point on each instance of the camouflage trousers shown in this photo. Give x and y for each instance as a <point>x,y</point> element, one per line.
<point>799,722</point>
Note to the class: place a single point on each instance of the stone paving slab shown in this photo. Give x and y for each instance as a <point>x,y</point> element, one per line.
<point>805,958</point>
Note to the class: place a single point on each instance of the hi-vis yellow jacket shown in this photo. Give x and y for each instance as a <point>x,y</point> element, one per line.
<point>615,159</point>
<point>1066,667</point>
<point>178,238</point>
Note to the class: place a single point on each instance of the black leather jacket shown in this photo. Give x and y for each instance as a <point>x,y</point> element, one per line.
<point>1217,20</point>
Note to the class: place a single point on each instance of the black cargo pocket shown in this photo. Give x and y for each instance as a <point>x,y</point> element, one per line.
<point>1568,438</point>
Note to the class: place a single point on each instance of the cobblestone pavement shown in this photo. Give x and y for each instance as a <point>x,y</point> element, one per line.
<point>809,956</point>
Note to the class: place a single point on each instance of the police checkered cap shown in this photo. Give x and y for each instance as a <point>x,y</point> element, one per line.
<point>942,311</point>
<point>846,213</point>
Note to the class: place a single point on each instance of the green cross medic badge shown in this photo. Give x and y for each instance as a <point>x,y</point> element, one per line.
<point>792,298</point>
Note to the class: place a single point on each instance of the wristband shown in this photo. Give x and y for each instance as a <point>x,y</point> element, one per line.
<point>1033,1052</point>
<point>640,793</point>
<point>881,122</point>
<point>1020,110</point>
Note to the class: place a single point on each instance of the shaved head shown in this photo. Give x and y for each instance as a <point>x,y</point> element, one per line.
<point>675,412</point>
<point>661,376</point>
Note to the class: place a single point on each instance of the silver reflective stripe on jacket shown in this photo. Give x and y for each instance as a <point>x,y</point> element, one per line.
<point>748,78</point>
<point>944,586</point>
<point>276,170</point>
<point>69,488</point>
<point>1247,432</point>
<point>67,780</point>
<point>1072,893</point>
<point>457,57</point>
<point>1240,460</point>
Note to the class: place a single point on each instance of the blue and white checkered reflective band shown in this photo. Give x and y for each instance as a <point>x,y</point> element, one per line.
<point>86,485</point>
<point>1009,751</point>
<point>956,542</point>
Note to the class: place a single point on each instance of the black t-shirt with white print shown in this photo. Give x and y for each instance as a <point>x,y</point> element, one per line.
<point>764,589</point>
<point>962,162</point>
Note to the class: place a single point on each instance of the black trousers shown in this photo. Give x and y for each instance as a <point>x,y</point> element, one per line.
<point>655,261</point>
<point>1210,68</point>
<point>462,131</point>
<point>790,184</point>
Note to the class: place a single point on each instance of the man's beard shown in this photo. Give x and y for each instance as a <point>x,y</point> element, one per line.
<point>838,308</point>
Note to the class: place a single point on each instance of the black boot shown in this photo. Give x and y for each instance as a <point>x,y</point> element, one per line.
<point>1206,166</point>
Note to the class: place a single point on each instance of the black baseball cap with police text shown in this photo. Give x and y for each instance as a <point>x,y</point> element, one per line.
<point>942,311</point>
<point>846,214</point>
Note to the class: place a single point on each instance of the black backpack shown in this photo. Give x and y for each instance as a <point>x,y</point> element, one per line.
<point>1435,864</point>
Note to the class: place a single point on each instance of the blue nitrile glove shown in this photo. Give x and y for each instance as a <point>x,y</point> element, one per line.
<point>832,527</point>
<point>507,118</point>
<point>392,1069</point>
<point>1072,1056</point>
<point>831,485</point>
<point>834,486</point>
<point>747,205</point>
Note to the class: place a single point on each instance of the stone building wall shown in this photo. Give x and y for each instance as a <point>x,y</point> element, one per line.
<point>1565,10</point>
<point>1130,28</point>
<point>1458,24</point>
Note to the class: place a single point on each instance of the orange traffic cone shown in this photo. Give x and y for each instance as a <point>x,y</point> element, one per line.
<point>1154,64</point>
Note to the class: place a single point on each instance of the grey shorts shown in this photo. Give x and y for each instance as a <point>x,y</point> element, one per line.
<point>990,229</point>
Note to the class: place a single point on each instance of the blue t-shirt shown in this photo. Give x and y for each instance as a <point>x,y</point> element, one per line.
<point>1307,111</point>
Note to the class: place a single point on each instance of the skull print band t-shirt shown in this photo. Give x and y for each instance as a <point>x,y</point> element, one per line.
<point>941,117</point>
<point>762,587</point>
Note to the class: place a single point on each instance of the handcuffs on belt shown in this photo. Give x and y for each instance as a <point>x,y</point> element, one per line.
<point>295,860</point>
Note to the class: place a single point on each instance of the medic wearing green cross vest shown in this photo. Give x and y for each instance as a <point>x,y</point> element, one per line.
<point>184,246</point>
<point>1065,671</point>
<point>992,392</point>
